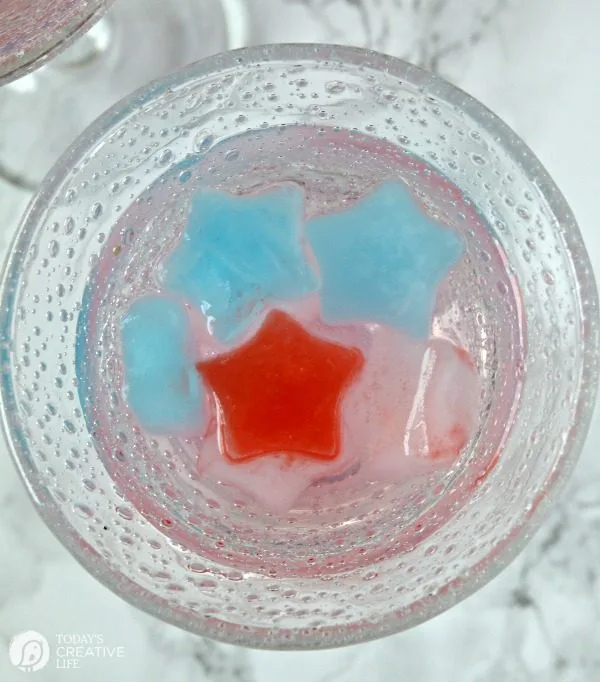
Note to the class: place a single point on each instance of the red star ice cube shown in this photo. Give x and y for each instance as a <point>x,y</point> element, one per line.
<point>281,392</point>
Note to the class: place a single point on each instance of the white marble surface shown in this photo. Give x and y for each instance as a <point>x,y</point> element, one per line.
<point>536,64</point>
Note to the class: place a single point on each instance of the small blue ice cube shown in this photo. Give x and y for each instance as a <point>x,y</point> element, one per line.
<point>162,386</point>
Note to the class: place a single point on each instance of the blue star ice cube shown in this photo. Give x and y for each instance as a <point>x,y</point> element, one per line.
<point>383,260</point>
<point>239,251</point>
<point>162,386</point>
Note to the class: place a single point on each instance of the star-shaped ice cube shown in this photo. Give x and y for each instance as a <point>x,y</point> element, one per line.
<point>276,482</point>
<point>382,260</point>
<point>238,252</point>
<point>281,392</point>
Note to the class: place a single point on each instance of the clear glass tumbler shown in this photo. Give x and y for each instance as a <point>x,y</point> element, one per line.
<point>364,566</point>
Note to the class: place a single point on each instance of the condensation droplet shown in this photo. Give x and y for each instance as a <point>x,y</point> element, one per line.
<point>164,157</point>
<point>69,225</point>
<point>96,210</point>
<point>125,513</point>
<point>83,511</point>
<point>70,195</point>
<point>335,87</point>
<point>127,236</point>
<point>203,141</point>
<point>232,155</point>
<point>207,584</point>
<point>197,568</point>
<point>523,213</point>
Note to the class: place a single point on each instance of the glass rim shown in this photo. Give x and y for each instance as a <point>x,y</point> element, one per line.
<point>501,555</point>
<point>59,42</point>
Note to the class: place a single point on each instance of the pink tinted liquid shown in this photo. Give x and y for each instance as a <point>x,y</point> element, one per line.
<point>179,483</point>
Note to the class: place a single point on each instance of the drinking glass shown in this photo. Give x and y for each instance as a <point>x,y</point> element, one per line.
<point>33,32</point>
<point>357,562</point>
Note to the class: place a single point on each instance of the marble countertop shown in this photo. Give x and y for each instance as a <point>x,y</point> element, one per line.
<point>533,62</point>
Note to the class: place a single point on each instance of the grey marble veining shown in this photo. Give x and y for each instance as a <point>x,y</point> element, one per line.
<point>539,621</point>
<point>429,33</point>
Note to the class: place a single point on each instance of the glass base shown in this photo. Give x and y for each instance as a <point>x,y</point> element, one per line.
<point>137,41</point>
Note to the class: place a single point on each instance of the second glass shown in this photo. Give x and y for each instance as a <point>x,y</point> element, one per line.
<point>136,41</point>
